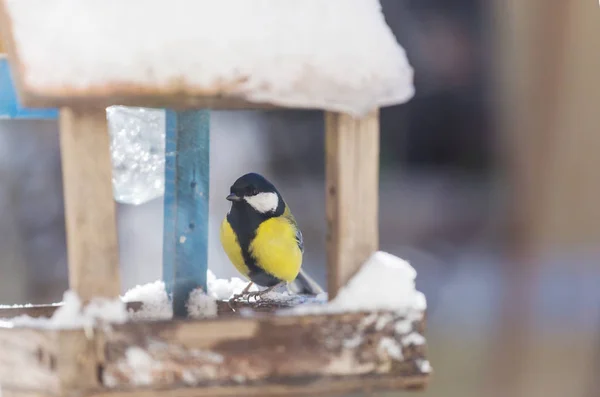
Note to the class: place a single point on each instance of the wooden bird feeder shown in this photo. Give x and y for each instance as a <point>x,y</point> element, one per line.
<point>191,56</point>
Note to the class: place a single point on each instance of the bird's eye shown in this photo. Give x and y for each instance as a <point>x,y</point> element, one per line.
<point>254,191</point>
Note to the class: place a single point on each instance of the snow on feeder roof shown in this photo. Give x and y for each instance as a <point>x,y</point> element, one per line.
<point>336,55</point>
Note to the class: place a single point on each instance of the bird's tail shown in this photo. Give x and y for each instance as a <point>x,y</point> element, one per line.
<point>305,285</point>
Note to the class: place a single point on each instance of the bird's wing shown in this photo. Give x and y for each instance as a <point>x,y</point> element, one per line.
<point>288,215</point>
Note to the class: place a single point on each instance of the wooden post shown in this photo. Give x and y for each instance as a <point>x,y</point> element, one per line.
<point>89,206</point>
<point>185,239</point>
<point>352,194</point>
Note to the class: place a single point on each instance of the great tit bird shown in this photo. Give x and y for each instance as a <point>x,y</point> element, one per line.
<point>262,239</point>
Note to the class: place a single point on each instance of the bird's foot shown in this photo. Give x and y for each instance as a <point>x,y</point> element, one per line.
<point>244,293</point>
<point>260,294</point>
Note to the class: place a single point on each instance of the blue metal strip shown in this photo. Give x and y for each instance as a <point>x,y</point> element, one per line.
<point>185,239</point>
<point>10,107</point>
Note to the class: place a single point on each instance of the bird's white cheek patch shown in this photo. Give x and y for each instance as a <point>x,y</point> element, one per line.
<point>263,202</point>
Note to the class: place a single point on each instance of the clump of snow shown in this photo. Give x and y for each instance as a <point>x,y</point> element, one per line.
<point>413,338</point>
<point>424,366</point>
<point>384,282</point>
<point>154,299</point>
<point>145,367</point>
<point>223,289</point>
<point>72,314</point>
<point>157,305</point>
<point>391,348</point>
<point>201,305</point>
<point>336,55</point>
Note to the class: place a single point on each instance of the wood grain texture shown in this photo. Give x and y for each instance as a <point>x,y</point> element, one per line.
<point>224,308</point>
<point>185,236</point>
<point>299,355</point>
<point>89,206</point>
<point>261,349</point>
<point>322,387</point>
<point>31,352</point>
<point>352,194</point>
<point>51,362</point>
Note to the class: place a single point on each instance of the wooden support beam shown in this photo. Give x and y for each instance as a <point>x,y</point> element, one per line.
<point>92,243</point>
<point>185,238</point>
<point>352,194</point>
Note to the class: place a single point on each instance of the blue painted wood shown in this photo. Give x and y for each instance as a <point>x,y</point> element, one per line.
<point>10,107</point>
<point>185,239</point>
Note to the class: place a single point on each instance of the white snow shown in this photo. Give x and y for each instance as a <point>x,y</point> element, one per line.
<point>391,347</point>
<point>336,55</point>
<point>384,282</point>
<point>413,338</point>
<point>157,305</point>
<point>155,302</point>
<point>223,289</point>
<point>201,305</point>
<point>72,314</point>
<point>424,366</point>
<point>143,364</point>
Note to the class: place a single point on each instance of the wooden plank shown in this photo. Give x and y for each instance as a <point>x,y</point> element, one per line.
<point>10,106</point>
<point>352,194</point>
<point>257,350</point>
<point>89,206</point>
<point>223,307</point>
<point>185,239</point>
<point>328,387</point>
<point>32,352</point>
<point>308,387</point>
<point>369,351</point>
<point>132,97</point>
<point>55,362</point>
<point>529,59</point>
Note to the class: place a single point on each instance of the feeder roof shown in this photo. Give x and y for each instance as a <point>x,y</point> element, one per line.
<point>336,55</point>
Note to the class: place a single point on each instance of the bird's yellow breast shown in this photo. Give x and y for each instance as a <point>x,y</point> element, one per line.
<point>232,248</point>
<point>276,250</point>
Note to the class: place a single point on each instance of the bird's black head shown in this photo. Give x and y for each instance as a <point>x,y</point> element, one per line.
<point>258,193</point>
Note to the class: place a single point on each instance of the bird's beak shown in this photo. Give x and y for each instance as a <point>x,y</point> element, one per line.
<point>233,197</point>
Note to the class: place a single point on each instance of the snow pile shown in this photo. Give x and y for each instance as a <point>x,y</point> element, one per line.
<point>223,289</point>
<point>155,302</point>
<point>201,305</point>
<point>384,282</point>
<point>336,55</point>
<point>72,314</point>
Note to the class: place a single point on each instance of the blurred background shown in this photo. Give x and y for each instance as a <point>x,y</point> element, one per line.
<point>489,187</point>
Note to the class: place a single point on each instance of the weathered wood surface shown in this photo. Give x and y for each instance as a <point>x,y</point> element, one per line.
<point>92,242</point>
<point>273,349</point>
<point>323,387</point>
<point>270,355</point>
<point>28,360</point>
<point>352,194</point>
<point>223,307</point>
<point>185,235</point>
